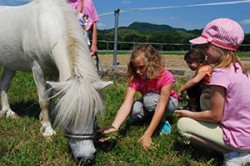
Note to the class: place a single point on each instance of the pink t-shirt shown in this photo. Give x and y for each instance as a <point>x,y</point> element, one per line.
<point>88,13</point>
<point>154,85</point>
<point>236,117</point>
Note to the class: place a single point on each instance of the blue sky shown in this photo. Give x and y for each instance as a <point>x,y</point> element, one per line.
<point>192,14</point>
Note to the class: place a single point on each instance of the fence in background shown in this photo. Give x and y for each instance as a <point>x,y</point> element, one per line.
<point>128,46</point>
<point>107,47</point>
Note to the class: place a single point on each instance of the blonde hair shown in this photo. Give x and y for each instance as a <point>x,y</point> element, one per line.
<point>155,64</point>
<point>229,57</point>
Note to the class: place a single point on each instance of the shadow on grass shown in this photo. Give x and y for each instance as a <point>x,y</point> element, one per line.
<point>106,146</point>
<point>198,153</point>
<point>27,108</point>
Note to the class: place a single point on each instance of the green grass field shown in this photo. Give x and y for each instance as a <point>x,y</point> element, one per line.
<point>21,143</point>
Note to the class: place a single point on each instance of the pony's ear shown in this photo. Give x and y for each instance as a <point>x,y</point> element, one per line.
<point>99,85</point>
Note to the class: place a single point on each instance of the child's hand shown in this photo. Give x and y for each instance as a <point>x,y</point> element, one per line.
<point>179,94</point>
<point>182,113</point>
<point>107,130</point>
<point>177,113</point>
<point>146,142</point>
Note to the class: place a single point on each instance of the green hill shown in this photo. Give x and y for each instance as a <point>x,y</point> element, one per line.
<point>151,33</point>
<point>147,26</point>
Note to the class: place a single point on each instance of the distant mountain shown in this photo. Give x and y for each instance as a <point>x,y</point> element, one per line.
<point>148,26</point>
<point>144,26</point>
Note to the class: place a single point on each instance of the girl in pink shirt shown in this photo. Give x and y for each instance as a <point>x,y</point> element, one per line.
<point>159,100</point>
<point>88,17</point>
<point>225,127</point>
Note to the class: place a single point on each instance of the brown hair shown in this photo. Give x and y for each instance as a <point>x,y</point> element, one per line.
<point>196,55</point>
<point>155,65</point>
<point>228,57</point>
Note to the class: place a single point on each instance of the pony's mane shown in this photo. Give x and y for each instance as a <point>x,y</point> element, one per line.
<point>79,101</point>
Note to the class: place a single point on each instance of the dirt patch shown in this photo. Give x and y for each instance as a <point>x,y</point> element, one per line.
<point>171,61</point>
<point>174,63</point>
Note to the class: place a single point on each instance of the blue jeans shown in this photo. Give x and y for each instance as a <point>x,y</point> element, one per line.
<point>146,105</point>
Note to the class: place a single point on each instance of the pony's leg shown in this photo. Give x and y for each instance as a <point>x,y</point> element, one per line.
<point>38,75</point>
<point>4,85</point>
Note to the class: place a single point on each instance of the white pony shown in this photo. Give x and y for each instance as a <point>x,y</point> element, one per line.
<point>45,37</point>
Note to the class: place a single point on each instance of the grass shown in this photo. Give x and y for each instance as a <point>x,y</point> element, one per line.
<point>243,54</point>
<point>168,149</point>
<point>22,144</point>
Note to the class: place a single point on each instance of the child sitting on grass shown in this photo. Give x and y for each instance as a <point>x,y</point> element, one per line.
<point>225,126</point>
<point>155,83</point>
<point>199,84</point>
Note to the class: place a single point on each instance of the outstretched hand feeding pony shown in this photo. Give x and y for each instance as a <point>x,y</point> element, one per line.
<point>45,37</point>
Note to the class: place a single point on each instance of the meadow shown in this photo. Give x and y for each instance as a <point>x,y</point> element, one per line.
<point>21,143</point>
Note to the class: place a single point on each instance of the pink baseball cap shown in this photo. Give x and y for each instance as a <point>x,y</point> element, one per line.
<point>223,32</point>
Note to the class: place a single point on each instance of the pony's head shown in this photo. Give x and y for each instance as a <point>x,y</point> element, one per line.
<point>77,107</point>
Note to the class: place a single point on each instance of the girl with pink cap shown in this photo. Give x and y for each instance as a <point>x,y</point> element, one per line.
<point>225,127</point>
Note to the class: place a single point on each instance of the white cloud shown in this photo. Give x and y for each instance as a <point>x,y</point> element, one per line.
<point>100,25</point>
<point>246,21</point>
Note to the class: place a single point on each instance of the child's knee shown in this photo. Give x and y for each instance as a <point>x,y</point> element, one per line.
<point>182,127</point>
<point>137,110</point>
<point>150,101</point>
<point>171,106</point>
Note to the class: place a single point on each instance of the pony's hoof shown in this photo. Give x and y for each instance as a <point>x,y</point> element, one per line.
<point>48,132</point>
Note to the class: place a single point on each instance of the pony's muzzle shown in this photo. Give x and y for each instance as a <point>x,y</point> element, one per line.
<point>86,161</point>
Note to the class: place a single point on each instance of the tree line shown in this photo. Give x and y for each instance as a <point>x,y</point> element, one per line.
<point>151,33</point>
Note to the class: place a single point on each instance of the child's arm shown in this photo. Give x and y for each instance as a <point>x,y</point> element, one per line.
<point>121,115</point>
<point>216,111</point>
<point>146,139</point>
<point>125,108</point>
<point>195,80</point>
<point>93,48</point>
